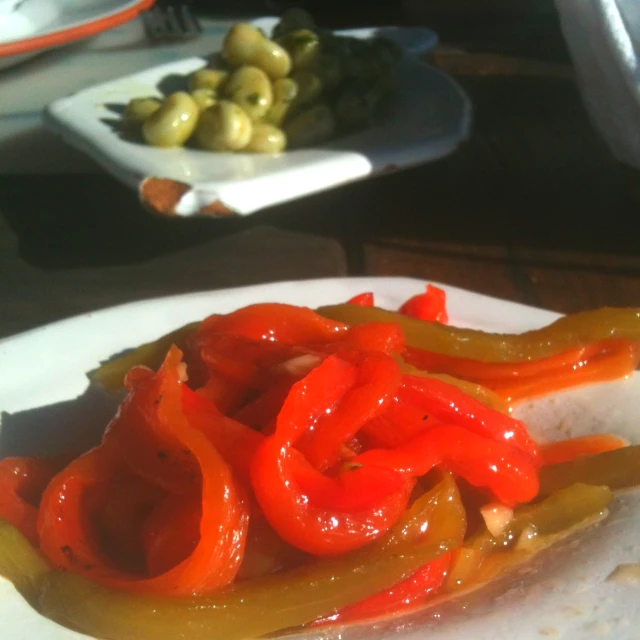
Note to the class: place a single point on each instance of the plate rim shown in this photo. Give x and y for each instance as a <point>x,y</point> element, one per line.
<point>78,31</point>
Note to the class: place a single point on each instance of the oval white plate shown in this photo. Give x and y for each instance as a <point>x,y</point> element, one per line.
<point>28,27</point>
<point>430,116</point>
<point>563,595</point>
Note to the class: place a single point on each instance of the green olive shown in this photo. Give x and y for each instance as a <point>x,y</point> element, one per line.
<point>285,91</point>
<point>223,127</point>
<point>173,123</point>
<point>240,42</point>
<point>266,138</point>
<point>309,88</point>
<point>139,109</point>
<point>328,67</point>
<point>303,46</point>
<point>250,88</point>
<point>310,127</point>
<point>204,98</point>
<point>246,45</point>
<point>293,19</point>
<point>207,79</point>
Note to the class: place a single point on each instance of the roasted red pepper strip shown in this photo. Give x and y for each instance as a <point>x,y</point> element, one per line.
<point>362,299</point>
<point>378,380</point>
<point>448,404</point>
<point>317,514</point>
<point>614,362</point>
<point>155,405</point>
<point>506,471</point>
<point>418,588</point>
<point>275,323</point>
<point>386,337</point>
<point>566,450</point>
<point>601,360</point>
<point>22,481</point>
<point>430,306</point>
<point>398,424</point>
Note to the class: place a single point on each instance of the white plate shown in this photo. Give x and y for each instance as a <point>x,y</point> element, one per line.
<point>28,27</point>
<point>564,595</point>
<point>430,117</point>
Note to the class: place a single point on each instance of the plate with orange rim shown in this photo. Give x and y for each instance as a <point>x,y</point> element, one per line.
<point>563,593</point>
<point>28,27</point>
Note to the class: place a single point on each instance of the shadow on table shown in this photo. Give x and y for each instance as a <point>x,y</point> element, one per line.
<point>72,425</point>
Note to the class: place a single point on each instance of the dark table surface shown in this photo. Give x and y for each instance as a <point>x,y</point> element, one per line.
<point>533,208</point>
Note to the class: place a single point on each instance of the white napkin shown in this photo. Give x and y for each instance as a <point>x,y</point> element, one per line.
<point>603,37</point>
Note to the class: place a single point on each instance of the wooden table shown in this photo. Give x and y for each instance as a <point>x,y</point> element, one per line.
<point>533,208</point>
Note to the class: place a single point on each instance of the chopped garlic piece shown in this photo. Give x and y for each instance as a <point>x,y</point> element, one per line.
<point>182,372</point>
<point>301,365</point>
<point>497,517</point>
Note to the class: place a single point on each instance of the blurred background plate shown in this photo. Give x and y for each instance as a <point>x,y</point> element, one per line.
<point>429,118</point>
<point>28,27</point>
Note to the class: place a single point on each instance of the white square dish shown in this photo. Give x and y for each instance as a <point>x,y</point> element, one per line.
<point>564,594</point>
<point>429,118</point>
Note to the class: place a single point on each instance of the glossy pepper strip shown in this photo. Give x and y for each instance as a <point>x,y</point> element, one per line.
<point>22,481</point>
<point>568,332</point>
<point>495,373</point>
<point>616,361</point>
<point>565,450</point>
<point>378,380</point>
<point>430,305</point>
<point>448,404</point>
<point>617,469</point>
<point>275,323</point>
<point>416,589</point>
<point>505,470</point>
<point>66,537</point>
<point>314,513</point>
<point>254,608</point>
<point>486,396</point>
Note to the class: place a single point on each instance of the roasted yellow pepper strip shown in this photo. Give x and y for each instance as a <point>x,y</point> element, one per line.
<point>151,354</point>
<point>565,333</point>
<point>618,469</point>
<point>480,393</point>
<point>20,562</point>
<point>532,528</point>
<point>254,608</point>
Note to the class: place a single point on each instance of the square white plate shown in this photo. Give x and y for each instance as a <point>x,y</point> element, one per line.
<point>43,390</point>
<point>429,118</point>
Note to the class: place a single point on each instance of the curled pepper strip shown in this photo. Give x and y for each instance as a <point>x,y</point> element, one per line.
<point>378,380</point>
<point>448,404</point>
<point>66,534</point>
<point>434,525</point>
<point>315,513</point>
<point>505,470</point>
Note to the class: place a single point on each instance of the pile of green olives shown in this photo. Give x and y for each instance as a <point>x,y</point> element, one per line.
<point>300,88</point>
